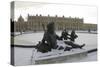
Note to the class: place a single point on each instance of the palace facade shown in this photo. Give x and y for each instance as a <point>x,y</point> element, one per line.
<point>36,23</point>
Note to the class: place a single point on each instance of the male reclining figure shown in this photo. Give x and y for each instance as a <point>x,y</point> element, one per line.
<point>72,38</point>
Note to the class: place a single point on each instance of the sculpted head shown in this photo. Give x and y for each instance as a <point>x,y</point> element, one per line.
<point>51,27</point>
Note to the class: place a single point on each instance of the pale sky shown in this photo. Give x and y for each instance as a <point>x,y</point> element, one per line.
<point>89,13</point>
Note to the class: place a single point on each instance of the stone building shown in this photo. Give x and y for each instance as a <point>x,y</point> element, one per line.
<point>88,26</point>
<point>36,23</point>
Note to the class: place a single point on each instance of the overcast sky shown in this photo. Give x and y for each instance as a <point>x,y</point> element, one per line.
<point>89,13</point>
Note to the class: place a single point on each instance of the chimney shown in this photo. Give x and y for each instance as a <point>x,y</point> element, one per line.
<point>40,15</point>
<point>48,15</point>
<point>63,16</point>
<point>56,16</point>
<point>36,14</point>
